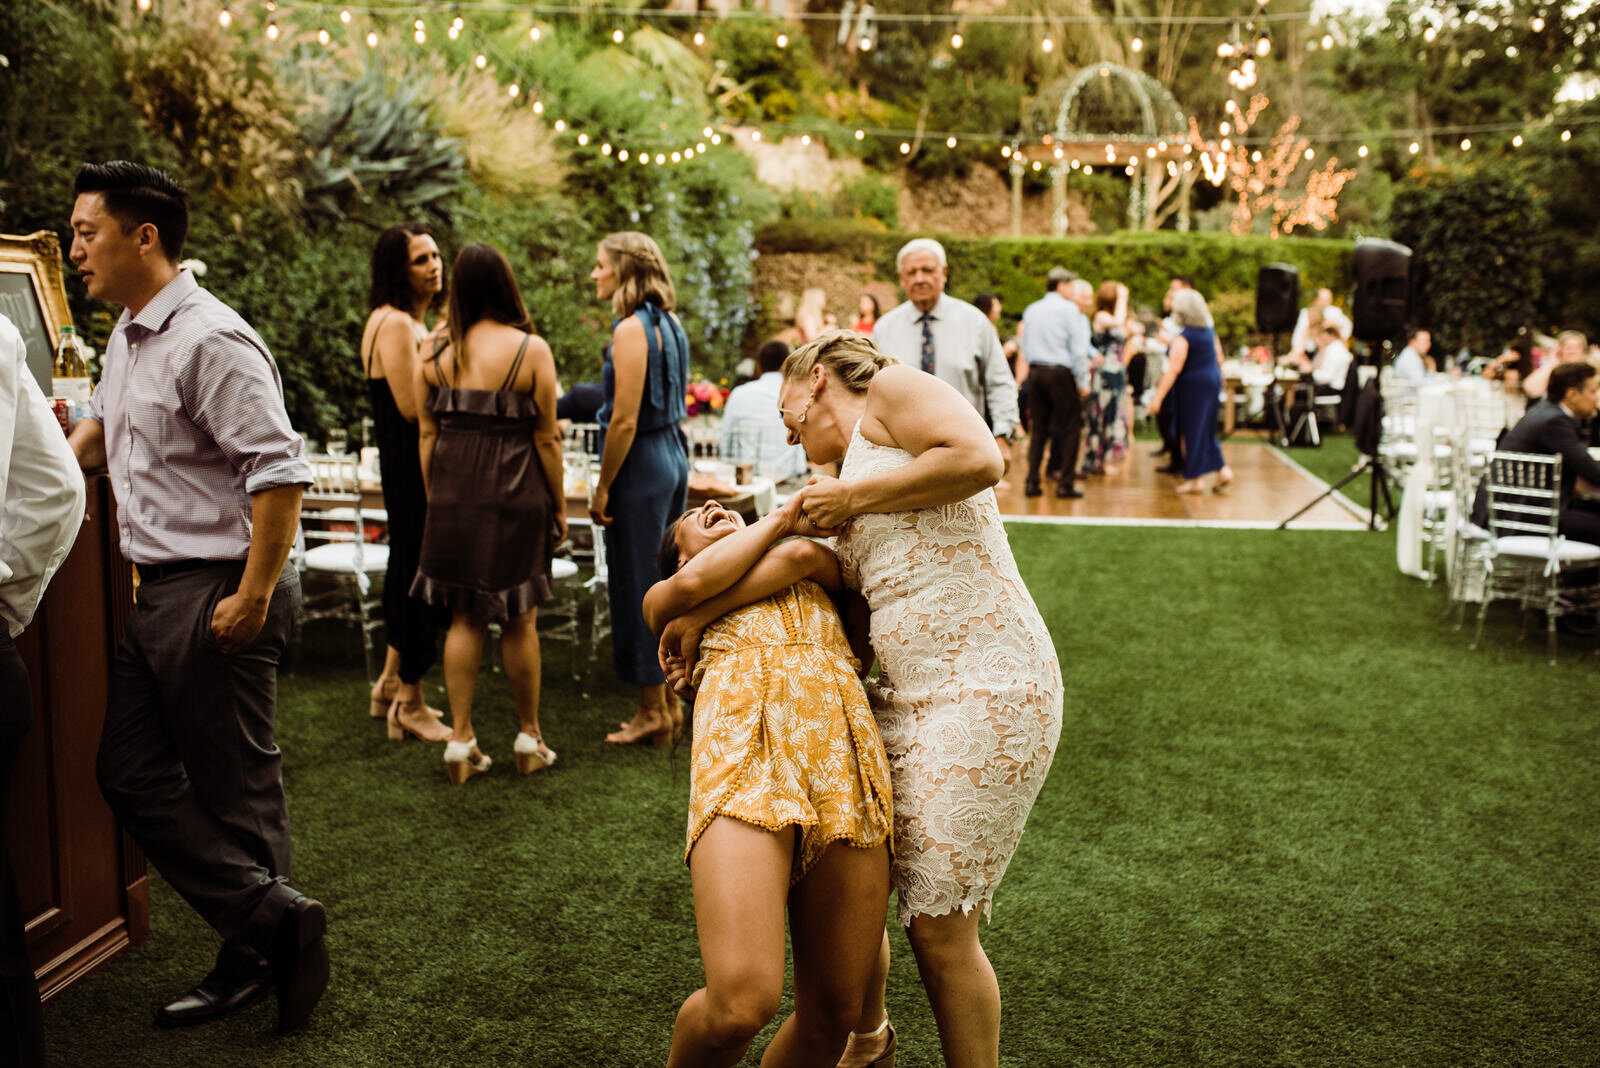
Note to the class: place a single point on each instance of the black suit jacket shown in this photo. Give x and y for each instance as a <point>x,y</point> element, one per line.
<point>1548,429</point>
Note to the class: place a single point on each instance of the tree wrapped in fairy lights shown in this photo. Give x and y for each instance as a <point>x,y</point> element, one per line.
<point>1271,181</point>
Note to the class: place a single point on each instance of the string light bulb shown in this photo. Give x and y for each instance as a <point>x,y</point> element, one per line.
<point>1088,168</point>
<point>1566,135</point>
<point>513,89</point>
<point>616,36</point>
<point>677,157</point>
<point>1311,153</point>
<point>1047,45</point>
<point>783,40</point>
<point>583,139</point>
<point>538,107</point>
<point>560,126</point>
<point>1005,150</point>
<point>1415,148</point>
<point>1137,44</point>
<point>605,148</point>
<point>661,158</point>
<point>1362,151</point>
<point>1466,144</point>
<point>534,33</point>
<point>700,146</point>
<point>905,148</point>
<point>716,139</point>
<point>950,142</point>
<point>699,39</point>
<point>323,37</point>
<point>344,16</point>
<point>144,5</point>
<point>1263,45</point>
<point>1430,33</point>
<point>1537,25</point>
<point>805,139</point>
<point>480,61</point>
<point>622,155</point>
<point>420,35</point>
<point>1255,157</point>
<point>860,134</point>
<point>956,40</point>
<point>372,39</point>
<point>1516,142</point>
<point>225,17</point>
<point>272,31</point>
<point>865,44</point>
<point>755,135</point>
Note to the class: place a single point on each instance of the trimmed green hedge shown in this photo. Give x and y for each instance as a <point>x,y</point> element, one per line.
<point>1224,267</point>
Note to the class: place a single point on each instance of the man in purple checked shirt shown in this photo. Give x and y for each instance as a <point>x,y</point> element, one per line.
<point>208,474</point>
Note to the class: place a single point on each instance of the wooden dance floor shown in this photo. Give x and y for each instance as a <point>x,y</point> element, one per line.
<point>1268,486</point>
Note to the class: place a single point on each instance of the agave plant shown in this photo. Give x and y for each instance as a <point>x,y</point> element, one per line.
<point>372,140</point>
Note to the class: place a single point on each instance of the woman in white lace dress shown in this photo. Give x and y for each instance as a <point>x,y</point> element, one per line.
<point>968,699</point>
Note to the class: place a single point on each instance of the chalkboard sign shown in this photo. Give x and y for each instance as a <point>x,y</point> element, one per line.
<point>33,298</point>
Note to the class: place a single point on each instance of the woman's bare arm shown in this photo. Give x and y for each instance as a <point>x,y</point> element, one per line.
<point>546,434</point>
<point>955,454</point>
<point>715,568</point>
<point>630,362</point>
<point>395,359</point>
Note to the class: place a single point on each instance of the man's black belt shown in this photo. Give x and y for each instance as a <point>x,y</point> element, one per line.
<point>157,572</point>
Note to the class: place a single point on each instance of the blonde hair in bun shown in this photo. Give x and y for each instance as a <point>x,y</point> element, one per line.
<point>852,357</point>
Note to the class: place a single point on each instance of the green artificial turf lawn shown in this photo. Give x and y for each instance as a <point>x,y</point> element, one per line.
<point>1292,820</point>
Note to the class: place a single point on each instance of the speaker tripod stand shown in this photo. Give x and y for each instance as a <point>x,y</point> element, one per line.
<point>1369,464</point>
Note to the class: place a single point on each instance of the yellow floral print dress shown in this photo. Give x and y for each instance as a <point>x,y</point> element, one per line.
<point>782,731</point>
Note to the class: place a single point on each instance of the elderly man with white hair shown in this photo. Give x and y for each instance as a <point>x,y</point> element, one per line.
<point>949,338</point>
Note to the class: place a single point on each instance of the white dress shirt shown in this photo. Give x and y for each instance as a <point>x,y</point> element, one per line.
<point>753,431</point>
<point>966,351</point>
<point>41,487</point>
<point>1331,365</point>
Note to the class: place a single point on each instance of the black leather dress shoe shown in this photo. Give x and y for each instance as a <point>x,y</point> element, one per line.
<point>1032,489</point>
<point>1169,469</point>
<point>1069,492</point>
<point>299,960</point>
<point>213,999</point>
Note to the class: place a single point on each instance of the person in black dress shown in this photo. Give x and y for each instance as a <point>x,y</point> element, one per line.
<point>491,462</point>
<point>407,280</point>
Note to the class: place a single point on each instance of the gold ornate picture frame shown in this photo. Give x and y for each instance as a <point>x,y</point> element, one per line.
<point>33,296</point>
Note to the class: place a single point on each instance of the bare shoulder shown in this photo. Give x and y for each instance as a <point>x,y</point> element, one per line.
<point>629,329</point>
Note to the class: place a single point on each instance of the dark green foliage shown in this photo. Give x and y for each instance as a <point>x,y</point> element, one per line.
<point>1563,173</point>
<point>1224,267</point>
<point>376,142</point>
<point>1292,820</point>
<point>771,79</point>
<point>1475,270</point>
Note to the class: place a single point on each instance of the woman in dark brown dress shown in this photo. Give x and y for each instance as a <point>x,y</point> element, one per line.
<point>491,460</point>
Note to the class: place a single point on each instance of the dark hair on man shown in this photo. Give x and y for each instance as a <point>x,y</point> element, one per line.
<point>1187,280</point>
<point>1565,376</point>
<point>135,194</point>
<point>984,301</point>
<point>391,268</point>
<point>770,357</point>
<point>483,288</point>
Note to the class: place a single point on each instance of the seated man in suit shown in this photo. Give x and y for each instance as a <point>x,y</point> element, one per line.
<point>1551,427</point>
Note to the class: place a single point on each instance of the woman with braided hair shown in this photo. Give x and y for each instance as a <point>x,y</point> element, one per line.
<point>643,483</point>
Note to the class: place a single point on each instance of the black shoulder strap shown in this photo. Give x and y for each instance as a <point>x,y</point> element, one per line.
<point>516,364</point>
<point>373,347</point>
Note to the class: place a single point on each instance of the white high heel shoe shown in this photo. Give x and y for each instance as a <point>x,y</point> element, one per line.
<point>463,760</point>
<point>532,754</point>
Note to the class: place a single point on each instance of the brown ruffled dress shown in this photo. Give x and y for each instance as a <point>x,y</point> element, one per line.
<point>487,544</point>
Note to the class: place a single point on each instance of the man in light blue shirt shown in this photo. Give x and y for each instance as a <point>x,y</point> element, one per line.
<point>1055,342</point>
<point>1410,366</point>
<point>949,338</point>
<point>752,429</point>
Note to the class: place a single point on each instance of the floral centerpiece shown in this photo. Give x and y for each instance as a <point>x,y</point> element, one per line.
<point>703,398</point>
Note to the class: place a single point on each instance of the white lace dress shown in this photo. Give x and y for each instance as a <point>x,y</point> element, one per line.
<point>968,698</point>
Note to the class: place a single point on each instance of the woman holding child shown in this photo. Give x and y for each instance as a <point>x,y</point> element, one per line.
<point>968,701</point>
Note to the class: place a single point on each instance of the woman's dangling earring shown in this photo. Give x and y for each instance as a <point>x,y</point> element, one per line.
<point>800,418</point>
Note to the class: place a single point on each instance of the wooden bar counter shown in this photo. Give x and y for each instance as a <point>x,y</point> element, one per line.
<point>84,894</point>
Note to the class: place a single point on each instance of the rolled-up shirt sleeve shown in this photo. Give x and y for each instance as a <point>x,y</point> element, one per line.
<point>231,389</point>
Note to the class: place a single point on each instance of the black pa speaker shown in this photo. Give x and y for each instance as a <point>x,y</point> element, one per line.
<point>1277,298</point>
<point>1383,289</point>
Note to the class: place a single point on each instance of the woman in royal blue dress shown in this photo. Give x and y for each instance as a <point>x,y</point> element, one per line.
<point>643,483</point>
<point>1194,380</point>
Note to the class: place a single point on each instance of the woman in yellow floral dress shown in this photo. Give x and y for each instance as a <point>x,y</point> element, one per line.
<point>789,800</point>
